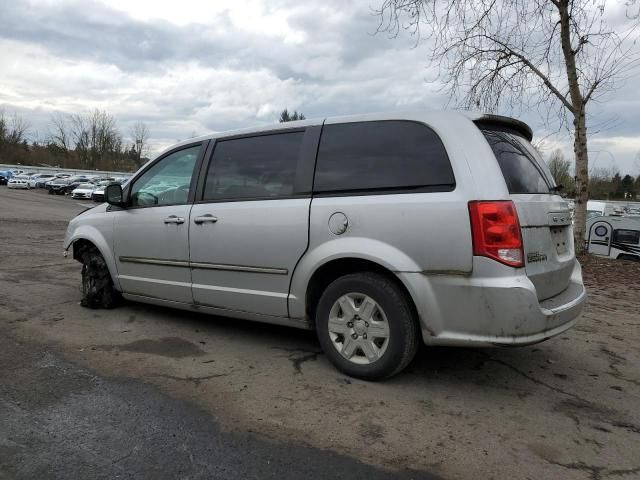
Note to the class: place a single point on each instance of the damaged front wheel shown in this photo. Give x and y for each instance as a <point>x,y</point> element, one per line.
<point>97,285</point>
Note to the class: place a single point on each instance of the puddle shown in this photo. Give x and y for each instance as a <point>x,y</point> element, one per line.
<point>173,347</point>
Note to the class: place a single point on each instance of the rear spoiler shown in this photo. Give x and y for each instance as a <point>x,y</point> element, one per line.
<point>498,121</point>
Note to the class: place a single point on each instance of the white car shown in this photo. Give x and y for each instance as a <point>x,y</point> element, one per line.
<point>84,190</point>
<point>98,193</point>
<point>39,181</point>
<point>18,182</point>
<point>33,180</point>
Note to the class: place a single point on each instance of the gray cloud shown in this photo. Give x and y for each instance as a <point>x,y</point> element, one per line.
<point>214,75</point>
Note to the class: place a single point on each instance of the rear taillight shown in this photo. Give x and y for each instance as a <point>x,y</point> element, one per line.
<point>495,231</point>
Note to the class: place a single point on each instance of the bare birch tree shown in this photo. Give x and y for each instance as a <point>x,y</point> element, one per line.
<point>94,136</point>
<point>560,168</point>
<point>13,128</point>
<point>554,55</point>
<point>140,135</point>
<point>60,133</point>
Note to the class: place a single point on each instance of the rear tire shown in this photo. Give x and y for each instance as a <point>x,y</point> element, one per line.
<point>367,326</point>
<point>97,285</point>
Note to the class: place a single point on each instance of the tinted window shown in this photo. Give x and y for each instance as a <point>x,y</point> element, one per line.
<point>381,155</point>
<point>254,167</point>
<point>626,236</point>
<point>521,166</point>
<point>167,182</point>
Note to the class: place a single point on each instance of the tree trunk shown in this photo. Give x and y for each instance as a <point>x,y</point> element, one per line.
<point>582,180</point>
<point>580,127</point>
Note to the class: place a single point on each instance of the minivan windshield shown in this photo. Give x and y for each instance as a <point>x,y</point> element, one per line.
<point>522,167</point>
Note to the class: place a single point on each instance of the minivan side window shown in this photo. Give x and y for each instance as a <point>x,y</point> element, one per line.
<point>167,182</point>
<point>255,167</point>
<point>381,155</point>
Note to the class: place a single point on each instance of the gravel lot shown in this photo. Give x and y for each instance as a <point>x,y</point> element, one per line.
<point>141,391</point>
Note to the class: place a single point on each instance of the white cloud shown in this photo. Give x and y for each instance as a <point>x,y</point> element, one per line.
<point>195,66</point>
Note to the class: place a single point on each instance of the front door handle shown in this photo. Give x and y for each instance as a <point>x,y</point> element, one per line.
<point>205,218</point>
<point>174,219</point>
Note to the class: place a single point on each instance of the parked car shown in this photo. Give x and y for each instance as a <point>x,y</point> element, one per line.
<point>58,186</point>
<point>84,190</point>
<point>35,178</point>
<point>43,179</point>
<point>75,181</point>
<point>98,193</point>
<point>5,176</point>
<point>32,180</point>
<point>379,232</point>
<point>18,182</point>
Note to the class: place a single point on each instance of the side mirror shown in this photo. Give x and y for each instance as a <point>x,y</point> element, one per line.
<point>113,195</point>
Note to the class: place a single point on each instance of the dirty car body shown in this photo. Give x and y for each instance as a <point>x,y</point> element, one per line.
<point>472,235</point>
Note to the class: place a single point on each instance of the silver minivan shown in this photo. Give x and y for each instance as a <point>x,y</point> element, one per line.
<point>379,232</point>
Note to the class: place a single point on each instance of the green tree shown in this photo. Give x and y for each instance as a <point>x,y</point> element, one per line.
<point>627,187</point>
<point>600,183</point>
<point>616,188</point>
<point>285,116</point>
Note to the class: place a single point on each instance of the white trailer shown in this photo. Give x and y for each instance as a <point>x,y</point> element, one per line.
<point>596,208</point>
<point>614,237</point>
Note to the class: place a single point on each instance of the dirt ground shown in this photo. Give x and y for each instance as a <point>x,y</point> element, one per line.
<point>565,408</point>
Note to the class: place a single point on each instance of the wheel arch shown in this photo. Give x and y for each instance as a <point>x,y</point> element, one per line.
<point>344,253</point>
<point>338,267</point>
<point>88,237</point>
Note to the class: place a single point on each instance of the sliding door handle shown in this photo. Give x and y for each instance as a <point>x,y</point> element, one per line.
<point>174,219</point>
<point>205,218</point>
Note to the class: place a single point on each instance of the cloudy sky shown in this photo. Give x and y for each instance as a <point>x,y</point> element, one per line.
<point>193,66</point>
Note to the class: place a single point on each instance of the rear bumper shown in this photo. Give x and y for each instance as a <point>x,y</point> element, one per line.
<point>489,310</point>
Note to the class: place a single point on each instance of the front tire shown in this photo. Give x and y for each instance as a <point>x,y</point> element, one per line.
<point>97,285</point>
<point>367,326</point>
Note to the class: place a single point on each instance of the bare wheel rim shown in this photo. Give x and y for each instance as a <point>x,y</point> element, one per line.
<point>87,281</point>
<point>358,328</point>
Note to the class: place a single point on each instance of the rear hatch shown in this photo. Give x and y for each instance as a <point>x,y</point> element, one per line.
<point>545,219</point>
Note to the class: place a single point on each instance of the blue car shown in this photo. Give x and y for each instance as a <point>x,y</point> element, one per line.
<point>5,176</point>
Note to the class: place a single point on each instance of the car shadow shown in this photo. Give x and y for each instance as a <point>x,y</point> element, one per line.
<point>485,367</point>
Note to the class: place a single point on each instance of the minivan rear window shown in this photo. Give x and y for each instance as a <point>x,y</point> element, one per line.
<point>375,156</point>
<point>523,169</point>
